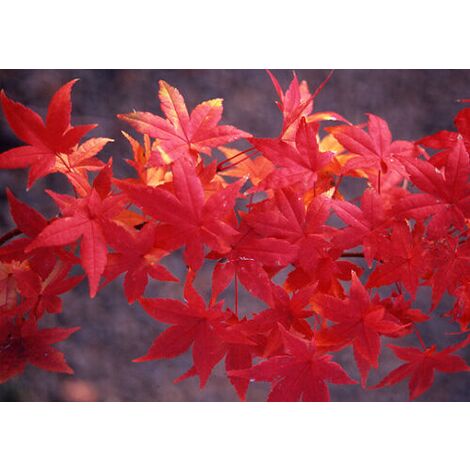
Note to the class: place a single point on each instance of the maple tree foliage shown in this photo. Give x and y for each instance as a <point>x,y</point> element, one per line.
<point>333,274</point>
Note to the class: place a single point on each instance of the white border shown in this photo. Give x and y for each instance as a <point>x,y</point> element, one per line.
<point>242,34</point>
<point>234,436</point>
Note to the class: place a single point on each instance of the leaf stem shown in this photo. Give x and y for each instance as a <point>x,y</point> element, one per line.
<point>420,338</point>
<point>236,294</point>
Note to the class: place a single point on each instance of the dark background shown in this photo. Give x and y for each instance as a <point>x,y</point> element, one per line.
<point>414,102</point>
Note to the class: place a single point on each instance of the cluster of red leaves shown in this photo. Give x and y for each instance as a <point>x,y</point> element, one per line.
<point>271,219</point>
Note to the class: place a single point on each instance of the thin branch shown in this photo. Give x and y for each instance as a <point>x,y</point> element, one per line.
<point>9,235</point>
<point>16,231</point>
<point>346,254</point>
<point>227,163</point>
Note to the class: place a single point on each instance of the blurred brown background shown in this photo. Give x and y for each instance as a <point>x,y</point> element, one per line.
<point>414,102</point>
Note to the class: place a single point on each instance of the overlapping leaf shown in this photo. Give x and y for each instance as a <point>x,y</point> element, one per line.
<point>182,134</point>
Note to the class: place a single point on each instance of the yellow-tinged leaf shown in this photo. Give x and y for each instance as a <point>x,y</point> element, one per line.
<point>156,176</point>
<point>214,103</point>
<point>330,144</point>
<point>256,169</point>
<point>129,218</point>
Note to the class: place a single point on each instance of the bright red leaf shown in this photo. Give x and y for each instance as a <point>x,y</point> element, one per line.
<point>46,141</point>
<point>420,366</point>
<point>301,373</point>
<point>182,134</point>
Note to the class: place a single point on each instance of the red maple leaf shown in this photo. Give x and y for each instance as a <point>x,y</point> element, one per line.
<point>300,373</point>
<point>294,163</point>
<point>82,218</point>
<point>45,141</point>
<point>251,260</point>
<point>27,219</point>
<point>404,259</point>
<point>366,226</point>
<point>192,324</point>
<point>450,260</point>
<point>295,103</point>
<point>445,194</point>
<point>285,216</point>
<point>420,366</point>
<point>30,223</point>
<point>41,290</point>
<point>318,263</point>
<point>401,310</point>
<point>189,218</point>
<point>138,255</point>
<point>239,353</point>
<point>22,343</point>
<point>373,149</point>
<point>182,134</point>
<point>284,310</point>
<point>359,321</point>
<point>76,164</point>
